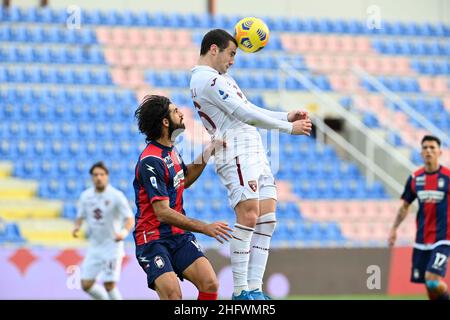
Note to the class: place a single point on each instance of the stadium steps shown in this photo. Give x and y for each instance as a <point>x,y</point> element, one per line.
<point>6,168</point>
<point>49,232</point>
<point>30,208</point>
<point>17,189</point>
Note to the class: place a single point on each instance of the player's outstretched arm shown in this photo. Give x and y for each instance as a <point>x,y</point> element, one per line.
<point>195,169</point>
<point>165,214</point>
<point>401,215</point>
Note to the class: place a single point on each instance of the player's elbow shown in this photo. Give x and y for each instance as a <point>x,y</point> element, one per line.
<point>161,215</point>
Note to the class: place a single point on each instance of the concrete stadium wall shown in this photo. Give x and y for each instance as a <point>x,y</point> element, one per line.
<point>403,10</point>
<point>39,273</point>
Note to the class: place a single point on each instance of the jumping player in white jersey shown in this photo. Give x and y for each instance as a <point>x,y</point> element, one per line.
<point>109,219</point>
<point>243,166</point>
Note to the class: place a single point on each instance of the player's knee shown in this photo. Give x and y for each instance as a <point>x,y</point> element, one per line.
<point>209,284</point>
<point>173,294</point>
<point>249,218</point>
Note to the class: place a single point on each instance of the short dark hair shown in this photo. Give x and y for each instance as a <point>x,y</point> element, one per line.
<point>100,165</point>
<point>431,138</point>
<point>219,37</point>
<point>150,113</point>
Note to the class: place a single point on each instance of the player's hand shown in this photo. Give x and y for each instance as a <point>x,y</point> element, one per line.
<point>219,231</point>
<point>297,115</point>
<point>75,232</point>
<point>392,237</point>
<point>214,145</point>
<point>300,127</point>
<point>120,236</point>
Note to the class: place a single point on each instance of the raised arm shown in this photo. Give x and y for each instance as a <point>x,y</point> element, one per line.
<point>230,100</point>
<point>195,169</point>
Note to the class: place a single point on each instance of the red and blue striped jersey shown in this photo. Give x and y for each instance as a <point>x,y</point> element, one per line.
<point>159,175</point>
<point>433,218</point>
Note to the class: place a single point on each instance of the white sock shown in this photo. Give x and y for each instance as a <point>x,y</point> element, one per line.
<point>114,294</point>
<point>97,292</point>
<point>259,251</point>
<point>240,254</point>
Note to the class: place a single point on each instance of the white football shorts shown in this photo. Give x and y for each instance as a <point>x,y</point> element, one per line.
<point>246,177</point>
<point>106,263</point>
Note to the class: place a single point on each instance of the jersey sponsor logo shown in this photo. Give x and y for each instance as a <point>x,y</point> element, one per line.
<point>159,262</point>
<point>150,168</point>
<point>177,179</point>
<point>253,185</point>
<point>441,183</point>
<point>430,196</point>
<point>223,94</point>
<point>154,182</point>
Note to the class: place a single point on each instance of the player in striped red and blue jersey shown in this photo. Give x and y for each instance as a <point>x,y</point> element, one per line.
<point>431,186</point>
<point>165,247</point>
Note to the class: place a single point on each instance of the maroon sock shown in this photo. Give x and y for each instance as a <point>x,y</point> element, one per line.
<point>207,296</point>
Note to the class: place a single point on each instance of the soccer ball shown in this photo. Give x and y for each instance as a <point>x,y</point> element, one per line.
<point>251,34</point>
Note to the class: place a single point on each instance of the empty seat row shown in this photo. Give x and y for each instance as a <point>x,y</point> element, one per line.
<point>62,149</point>
<point>40,34</point>
<point>394,84</point>
<point>189,20</point>
<point>68,97</point>
<point>62,55</point>
<point>66,128</point>
<point>247,81</point>
<point>55,76</point>
<point>431,67</point>
<point>416,47</point>
<point>146,38</point>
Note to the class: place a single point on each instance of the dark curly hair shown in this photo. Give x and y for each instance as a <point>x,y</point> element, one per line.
<point>150,113</point>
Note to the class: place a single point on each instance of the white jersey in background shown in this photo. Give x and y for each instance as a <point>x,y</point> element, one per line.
<point>228,115</point>
<point>104,214</point>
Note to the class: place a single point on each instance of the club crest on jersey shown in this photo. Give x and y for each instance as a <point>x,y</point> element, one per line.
<point>253,185</point>
<point>159,262</point>
<point>441,183</point>
<point>168,161</point>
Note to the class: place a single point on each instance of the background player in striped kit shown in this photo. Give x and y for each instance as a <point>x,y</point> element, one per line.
<point>165,248</point>
<point>431,186</point>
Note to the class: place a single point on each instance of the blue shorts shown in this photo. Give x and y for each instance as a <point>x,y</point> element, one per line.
<point>174,253</point>
<point>434,261</point>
